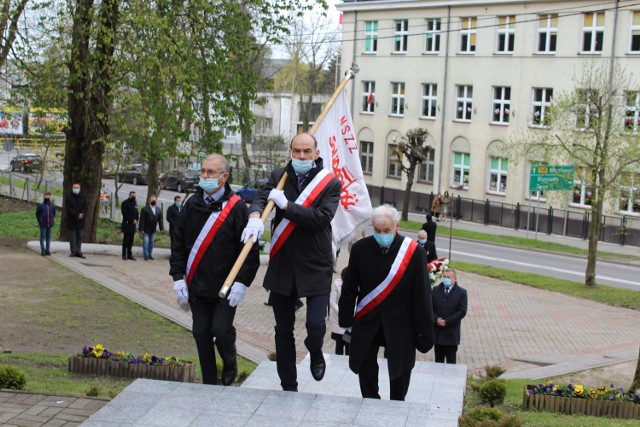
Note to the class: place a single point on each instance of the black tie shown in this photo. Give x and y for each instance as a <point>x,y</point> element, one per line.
<point>209,200</point>
<point>446,291</point>
<point>301,180</point>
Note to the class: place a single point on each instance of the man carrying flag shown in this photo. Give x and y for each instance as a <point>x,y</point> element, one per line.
<point>388,285</point>
<point>301,258</point>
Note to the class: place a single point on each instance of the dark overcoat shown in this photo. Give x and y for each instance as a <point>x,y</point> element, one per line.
<point>150,221</point>
<point>129,209</point>
<point>75,204</point>
<point>452,308</point>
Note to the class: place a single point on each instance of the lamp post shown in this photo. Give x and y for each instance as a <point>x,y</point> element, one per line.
<point>450,211</point>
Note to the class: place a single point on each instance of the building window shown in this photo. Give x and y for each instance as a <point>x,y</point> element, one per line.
<point>593,32</point>
<point>501,104</point>
<point>461,167</point>
<point>581,193</point>
<point>368,96</point>
<point>498,174</point>
<point>267,123</point>
<point>397,99</point>
<point>426,168</point>
<point>366,156</point>
<point>432,35</point>
<point>541,107</point>
<point>629,199</point>
<point>585,114</point>
<point>635,33</point>
<point>394,165</point>
<point>506,34</point>
<point>401,35</point>
<point>468,35</point>
<point>370,36</point>
<point>547,33</point>
<point>632,112</point>
<point>429,100</point>
<point>464,102</point>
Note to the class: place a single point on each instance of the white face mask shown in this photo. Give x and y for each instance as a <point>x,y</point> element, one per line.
<point>301,166</point>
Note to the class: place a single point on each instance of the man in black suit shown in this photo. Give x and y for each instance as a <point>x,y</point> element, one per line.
<point>430,227</point>
<point>449,308</point>
<point>429,247</point>
<point>130,218</point>
<point>150,219</point>
<point>173,214</point>
<point>388,285</point>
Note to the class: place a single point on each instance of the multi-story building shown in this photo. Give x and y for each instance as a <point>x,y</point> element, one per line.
<point>476,74</point>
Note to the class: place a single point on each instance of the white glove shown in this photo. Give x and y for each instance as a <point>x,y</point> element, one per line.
<point>254,229</point>
<point>182,293</point>
<point>279,198</point>
<point>236,294</point>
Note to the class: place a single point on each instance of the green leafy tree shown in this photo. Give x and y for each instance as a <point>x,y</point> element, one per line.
<point>414,149</point>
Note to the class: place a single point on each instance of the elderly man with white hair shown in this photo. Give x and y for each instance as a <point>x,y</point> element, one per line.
<point>388,286</point>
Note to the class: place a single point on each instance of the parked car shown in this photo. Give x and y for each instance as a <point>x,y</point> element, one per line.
<point>249,191</point>
<point>136,174</point>
<point>181,180</point>
<point>26,162</point>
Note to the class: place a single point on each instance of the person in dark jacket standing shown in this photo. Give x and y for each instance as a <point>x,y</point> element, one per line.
<point>449,308</point>
<point>45,213</point>
<point>76,206</point>
<point>173,215</point>
<point>429,247</point>
<point>301,258</point>
<point>150,220</point>
<point>200,269</point>
<point>388,285</point>
<point>430,227</point>
<point>130,216</point>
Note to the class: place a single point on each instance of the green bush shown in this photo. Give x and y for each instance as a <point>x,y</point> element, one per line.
<point>488,417</point>
<point>492,391</point>
<point>12,378</point>
<point>93,391</point>
<point>494,371</point>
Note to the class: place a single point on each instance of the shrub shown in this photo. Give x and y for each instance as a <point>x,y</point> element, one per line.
<point>494,371</point>
<point>93,391</point>
<point>488,417</point>
<point>272,356</point>
<point>480,414</point>
<point>12,378</point>
<point>492,392</point>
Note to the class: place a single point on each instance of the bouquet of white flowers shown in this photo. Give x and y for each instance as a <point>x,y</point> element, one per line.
<point>436,268</point>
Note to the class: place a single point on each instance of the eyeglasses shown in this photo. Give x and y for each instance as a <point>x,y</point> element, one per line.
<point>209,172</point>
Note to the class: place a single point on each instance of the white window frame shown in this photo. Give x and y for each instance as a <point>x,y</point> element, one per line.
<point>371,36</point>
<point>397,98</point>
<point>583,194</point>
<point>542,106</point>
<point>584,115</point>
<point>547,30</point>
<point>463,168</point>
<point>400,35</point>
<point>468,34</point>
<point>464,103</point>
<point>507,31</point>
<point>634,32</point>
<point>593,31</point>
<point>368,89</point>
<point>429,100</point>
<point>394,162</point>
<point>432,35</point>
<point>632,195</point>
<point>366,157</point>
<point>500,175</point>
<point>501,111</point>
<point>632,112</point>
<point>427,166</point>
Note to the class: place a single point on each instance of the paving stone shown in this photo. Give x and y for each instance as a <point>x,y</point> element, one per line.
<point>169,417</point>
<point>54,423</point>
<point>6,416</point>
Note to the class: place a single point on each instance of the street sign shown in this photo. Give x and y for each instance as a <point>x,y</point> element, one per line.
<point>550,178</point>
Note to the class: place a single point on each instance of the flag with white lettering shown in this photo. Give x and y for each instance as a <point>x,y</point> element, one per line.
<point>341,154</point>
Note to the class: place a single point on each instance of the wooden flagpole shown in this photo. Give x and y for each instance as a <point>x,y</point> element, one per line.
<point>267,210</point>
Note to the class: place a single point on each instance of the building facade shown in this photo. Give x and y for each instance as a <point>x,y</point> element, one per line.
<point>476,74</point>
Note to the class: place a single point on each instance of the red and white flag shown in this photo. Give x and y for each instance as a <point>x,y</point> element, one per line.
<point>341,154</point>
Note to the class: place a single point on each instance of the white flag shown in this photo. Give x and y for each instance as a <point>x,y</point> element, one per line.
<point>341,154</point>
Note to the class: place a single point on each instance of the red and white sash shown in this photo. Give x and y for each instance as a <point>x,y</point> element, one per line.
<point>206,236</point>
<point>399,266</point>
<point>306,199</point>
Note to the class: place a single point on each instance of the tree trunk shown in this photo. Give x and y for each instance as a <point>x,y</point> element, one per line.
<point>407,192</point>
<point>594,233</point>
<point>153,186</point>
<point>245,135</point>
<point>635,385</point>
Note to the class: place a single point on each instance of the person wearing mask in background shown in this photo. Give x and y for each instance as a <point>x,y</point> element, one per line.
<point>429,247</point>
<point>76,207</point>
<point>206,244</point>
<point>150,220</point>
<point>173,215</point>
<point>130,216</point>
<point>301,257</point>
<point>337,333</point>
<point>45,213</point>
<point>449,308</point>
<point>430,227</point>
<point>388,286</point>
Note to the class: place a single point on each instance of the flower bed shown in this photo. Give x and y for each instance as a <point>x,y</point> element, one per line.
<point>575,399</point>
<point>100,361</point>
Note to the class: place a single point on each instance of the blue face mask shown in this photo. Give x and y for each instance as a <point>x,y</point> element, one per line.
<point>301,166</point>
<point>178,204</point>
<point>209,184</point>
<point>384,240</point>
<point>447,282</point>
<point>422,241</point>
<point>75,190</point>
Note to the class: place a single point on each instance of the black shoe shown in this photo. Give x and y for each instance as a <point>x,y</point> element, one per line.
<point>267,303</point>
<point>299,305</point>
<point>317,365</point>
<point>47,253</point>
<point>294,389</point>
<point>72,255</point>
<point>79,255</point>
<point>146,258</point>
<point>229,375</point>
<point>151,258</point>
<point>42,253</point>
<point>124,258</point>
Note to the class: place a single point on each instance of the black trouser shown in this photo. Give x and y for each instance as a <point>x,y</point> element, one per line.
<point>75,240</point>
<point>445,352</point>
<point>368,376</point>
<point>127,244</point>
<point>284,311</point>
<point>213,318</point>
<point>342,348</point>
